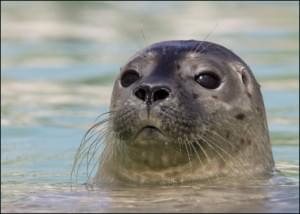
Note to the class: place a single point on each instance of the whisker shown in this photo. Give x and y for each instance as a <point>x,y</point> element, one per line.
<point>195,150</point>
<point>185,144</point>
<point>98,160</point>
<point>205,39</point>
<point>202,149</point>
<point>91,141</point>
<point>94,146</point>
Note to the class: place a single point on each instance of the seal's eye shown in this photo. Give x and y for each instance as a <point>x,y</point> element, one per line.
<point>129,77</point>
<point>208,80</point>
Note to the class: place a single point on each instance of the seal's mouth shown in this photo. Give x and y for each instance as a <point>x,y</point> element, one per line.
<point>149,134</point>
<point>148,130</point>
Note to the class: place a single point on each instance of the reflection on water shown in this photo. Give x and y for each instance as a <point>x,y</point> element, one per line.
<point>58,64</point>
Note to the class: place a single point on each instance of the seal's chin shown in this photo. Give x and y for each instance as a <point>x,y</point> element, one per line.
<point>149,135</point>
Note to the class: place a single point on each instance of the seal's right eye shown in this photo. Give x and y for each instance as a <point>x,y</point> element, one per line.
<point>208,80</point>
<point>129,77</point>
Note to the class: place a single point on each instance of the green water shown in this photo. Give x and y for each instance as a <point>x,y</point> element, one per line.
<point>58,63</point>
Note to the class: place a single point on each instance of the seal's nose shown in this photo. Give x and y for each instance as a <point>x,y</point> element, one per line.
<point>151,94</point>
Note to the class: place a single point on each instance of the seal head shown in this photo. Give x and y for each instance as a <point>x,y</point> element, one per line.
<point>185,111</point>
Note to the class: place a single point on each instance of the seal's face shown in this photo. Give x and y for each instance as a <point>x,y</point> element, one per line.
<point>183,100</point>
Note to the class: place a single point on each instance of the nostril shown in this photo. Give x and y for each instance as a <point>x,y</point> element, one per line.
<point>151,94</point>
<point>160,94</point>
<point>141,94</point>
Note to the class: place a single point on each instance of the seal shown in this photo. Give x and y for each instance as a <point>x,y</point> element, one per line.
<point>183,111</point>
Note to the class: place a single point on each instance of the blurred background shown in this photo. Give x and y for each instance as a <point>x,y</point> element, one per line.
<point>59,60</point>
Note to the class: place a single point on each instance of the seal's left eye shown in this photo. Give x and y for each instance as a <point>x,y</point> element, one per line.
<point>129,77</point>
<point>208,80</point>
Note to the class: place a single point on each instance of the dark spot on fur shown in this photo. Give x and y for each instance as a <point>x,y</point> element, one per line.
<point>258,109</point>
<point>215,97</point>
<point>214,113</point>
<point>240,116</point>
<point>249,95</point>
<point>249,141</point>
<point>242,141</point>
<point>227,134</point>
<point>194,67</point>
<point>177,66</point>
<point>195,96</point>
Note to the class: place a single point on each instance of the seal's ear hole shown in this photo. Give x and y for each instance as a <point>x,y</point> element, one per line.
<point>208,80</point>
<point>244,78</point>
<point>129,77</point>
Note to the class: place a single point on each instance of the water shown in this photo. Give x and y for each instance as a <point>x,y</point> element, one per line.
<point>59,61</point>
